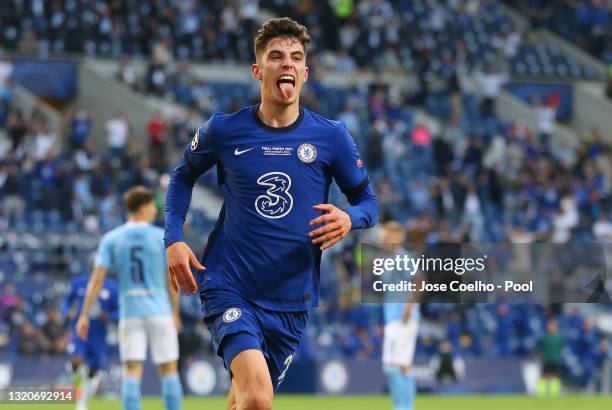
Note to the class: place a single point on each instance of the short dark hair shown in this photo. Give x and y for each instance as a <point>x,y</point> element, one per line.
<point>136,197</point>
<point>280,27</point>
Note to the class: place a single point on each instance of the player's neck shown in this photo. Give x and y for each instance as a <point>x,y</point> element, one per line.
<point>138,220</point>
<point>278,116</point>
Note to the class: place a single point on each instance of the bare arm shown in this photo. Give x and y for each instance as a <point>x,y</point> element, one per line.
<point>415,298</point>
<point>174,301</point>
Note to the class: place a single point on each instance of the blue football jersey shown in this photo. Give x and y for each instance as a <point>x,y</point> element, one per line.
<point>106,302</point>
<point>270,179</point>
<point>135,250</point>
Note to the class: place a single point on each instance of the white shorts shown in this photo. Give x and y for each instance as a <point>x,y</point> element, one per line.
<point>400,342</point>
<point>134,332</point>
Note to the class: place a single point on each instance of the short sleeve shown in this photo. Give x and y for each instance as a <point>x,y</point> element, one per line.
<point>347,167</point>
<point>201,154</point>
<point>104,257</point>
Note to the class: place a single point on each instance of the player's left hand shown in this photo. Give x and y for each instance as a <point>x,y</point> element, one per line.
<point>337,225</point>
<point>82,327</point>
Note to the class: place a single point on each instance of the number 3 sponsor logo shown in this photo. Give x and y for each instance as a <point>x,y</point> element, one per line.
<point>277,201</point>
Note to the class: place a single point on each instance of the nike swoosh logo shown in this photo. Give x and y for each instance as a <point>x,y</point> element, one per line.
<point>238,152</point>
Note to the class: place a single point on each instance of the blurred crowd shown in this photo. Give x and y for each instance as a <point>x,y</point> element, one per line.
<point>346,34</point>
<point>587,23</point>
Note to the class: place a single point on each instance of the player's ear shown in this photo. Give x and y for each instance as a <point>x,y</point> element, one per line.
<point>256,72</point>
<point>306,74</point>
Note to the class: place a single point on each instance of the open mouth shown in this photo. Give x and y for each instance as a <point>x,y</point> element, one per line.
<point>286,84</point>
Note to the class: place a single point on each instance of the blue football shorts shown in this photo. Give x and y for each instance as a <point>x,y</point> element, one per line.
<point>237,325</point>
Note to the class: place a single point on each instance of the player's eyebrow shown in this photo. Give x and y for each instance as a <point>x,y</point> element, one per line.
<point>280,52</point>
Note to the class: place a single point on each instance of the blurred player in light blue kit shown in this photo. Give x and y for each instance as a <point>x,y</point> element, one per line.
<point>89,357</point>
<point>401,320</point>
<point>148,306</point>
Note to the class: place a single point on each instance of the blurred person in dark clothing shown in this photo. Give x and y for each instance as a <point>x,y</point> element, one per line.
<point>80,125</point>
<point>448,366</point>
<point>54,336</point>
<point>11,190</point>
<point>550,349</point>
<point>17,128</point>
<point>443,156</point>
<point>28,339</point>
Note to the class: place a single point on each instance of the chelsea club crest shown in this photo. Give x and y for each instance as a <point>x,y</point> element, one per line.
<point>307,153</point>
<point>231,315</point>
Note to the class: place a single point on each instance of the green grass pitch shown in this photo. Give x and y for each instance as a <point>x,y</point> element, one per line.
<point>424,402</point>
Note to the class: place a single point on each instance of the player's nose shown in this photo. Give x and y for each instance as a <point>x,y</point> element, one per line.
<point>287,62</point>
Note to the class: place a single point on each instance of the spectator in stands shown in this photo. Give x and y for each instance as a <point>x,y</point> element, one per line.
<point>6,71</point>
<point>44,142</point>
<point>28,45</point>
<point>4,336</point>
<point>28,339</point>
<point>489,83</point>
<point>117,134</point>
<point>127,74</point>
<point>157,78</point>
<point>596,369</point>
<point>344,62</point>
<point>158,130</point>
<point>55,337</point>
<point>503,333</point>
<point>80,127</point>
<point>602,228</point>
<point>8,301</point>
<point>566,219</point>
<point>452,88</point>
<point>545,113</point>
<point>12,189</point>
<point>17,129</point>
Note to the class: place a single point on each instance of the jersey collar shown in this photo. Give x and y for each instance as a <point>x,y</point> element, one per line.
<point>290,127</point>
<point>137,223</point>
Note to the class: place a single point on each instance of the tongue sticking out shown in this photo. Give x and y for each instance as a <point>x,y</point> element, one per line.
<point>286,89</point>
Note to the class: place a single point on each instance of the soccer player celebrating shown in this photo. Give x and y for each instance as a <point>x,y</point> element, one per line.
<point>275,163</point>
<point>89,357</point>
<point>148,306</point>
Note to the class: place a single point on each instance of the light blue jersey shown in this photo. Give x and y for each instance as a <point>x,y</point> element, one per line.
<point>136,252</point>
<point>393,309</point>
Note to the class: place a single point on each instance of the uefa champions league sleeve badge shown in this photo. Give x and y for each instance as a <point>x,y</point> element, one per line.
<point>194,142</point>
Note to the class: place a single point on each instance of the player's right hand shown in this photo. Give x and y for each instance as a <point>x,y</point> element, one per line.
<point>180,260</point>
<point>82,327</point>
